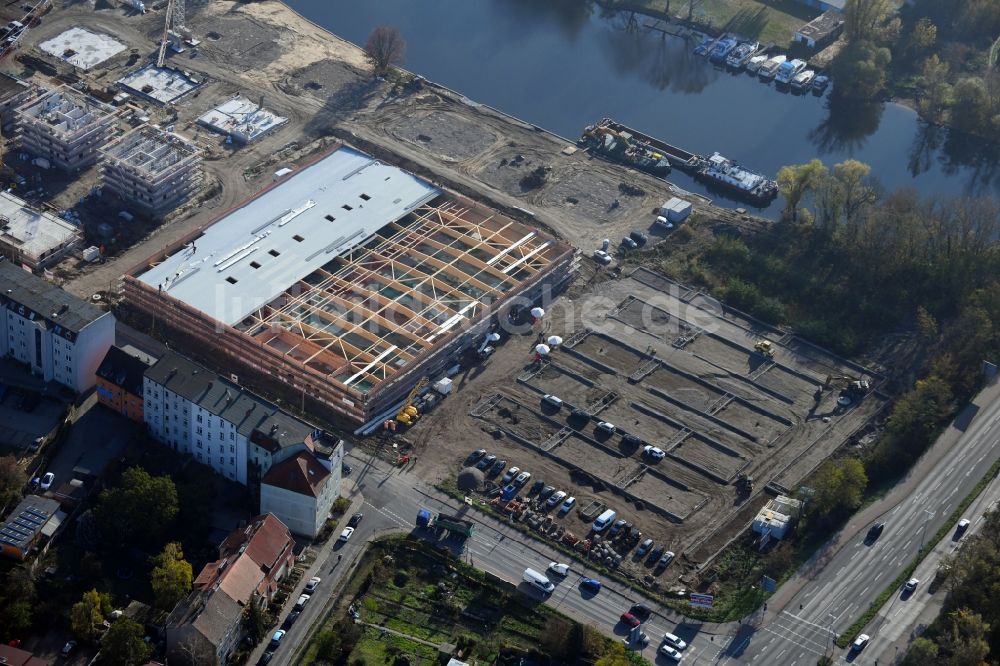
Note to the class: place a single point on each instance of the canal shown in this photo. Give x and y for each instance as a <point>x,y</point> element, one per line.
<point>561,66</point>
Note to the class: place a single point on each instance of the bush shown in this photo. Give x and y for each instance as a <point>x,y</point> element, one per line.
<point>400,579</point>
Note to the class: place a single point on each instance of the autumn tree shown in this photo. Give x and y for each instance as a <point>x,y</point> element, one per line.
<point>922,652</point>
<point>124,644</point>
<point>171,576</point>
<point>795,181</point>
<point>87,615</point>
<point>838,486</point>
<point>864,19</point>
<point>935,90</point>
<point>923,37</point>
<point>859,70</point>
<point>966,641</point>
<point>139,510</point>
<point>12,480</point>
<point>385,47</point>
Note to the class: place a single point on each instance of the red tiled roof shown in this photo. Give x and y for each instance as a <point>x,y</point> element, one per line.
<point>12,656</point>
<point>241,580</point>
<point>265,539</point>
<point>301,474</point>
<point>268,542</point>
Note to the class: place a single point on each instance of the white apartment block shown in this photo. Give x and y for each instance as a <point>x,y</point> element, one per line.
<point>219,423</point>
<point>60,337</point>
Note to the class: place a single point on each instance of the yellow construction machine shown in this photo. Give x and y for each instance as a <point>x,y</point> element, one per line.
<point>764,348</point>
<point>408,414</point>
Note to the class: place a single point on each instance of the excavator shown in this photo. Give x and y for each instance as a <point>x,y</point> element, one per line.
<point>853,388</point>
<point>408,414</point>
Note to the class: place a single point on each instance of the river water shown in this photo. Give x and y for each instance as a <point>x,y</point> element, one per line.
<point>560,65</point>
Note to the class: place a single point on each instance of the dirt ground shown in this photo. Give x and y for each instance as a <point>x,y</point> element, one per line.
<point>714,405</point>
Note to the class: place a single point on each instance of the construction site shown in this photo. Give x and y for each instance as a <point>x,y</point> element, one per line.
<point>64,127</point>
<point>736,412</point>
<point>369,303</point>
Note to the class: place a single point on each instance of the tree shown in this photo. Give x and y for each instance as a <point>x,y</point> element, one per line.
<point>139,510</point>
<point>12,480</point>
<point>255,620</point>
<point>614,655</point>
<point>935,90</point>
<point>923,37</point>
<point>966,642</point>
<point>123,645</point>
<point>863,19</point>
<point>171,576</point>
<point>859,70</point>
<point>970,110</point>
<point>838,486</point>
<point>794,181</point>
<point>923,652</point>
<point>17,596</point>
<point>385,47</point>
<point>852,178</point>
<point>87,615</point>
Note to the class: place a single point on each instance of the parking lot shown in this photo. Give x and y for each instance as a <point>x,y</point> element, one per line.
<point>672,369</point>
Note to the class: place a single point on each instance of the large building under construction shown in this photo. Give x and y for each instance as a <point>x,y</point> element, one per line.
<point>65,127</point>
<point>152,170</point>
<point>346,283</point>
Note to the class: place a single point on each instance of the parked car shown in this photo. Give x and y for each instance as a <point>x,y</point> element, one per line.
<point>654,452</point>
<point>962,526</point>
<point>670,652</point>
<point>629,243</point>
<point>276,639</point>
<point>567,505</point>
<point>522,478</point>
<point>557,498</point>
<point>546,491</point>
<point>602,257</point>
<point>301,602</point>
<point>674,642</point>
<point>68,649</point>
<point>911,585</point>
<point>510,474</point>
<point>644,547</point>
<point>346,534</point>
<point>606,428</point>
<point>476,455</point>
<point>47,480</point>
<point>616,528</point>
<point>641,611</point>
<point>631,441</point>
<point>311,585</point>
<point>346,469</point>
<point>580,415</point>
<point>486,461</point>
<point>355,519</point>
<point>536,487</point>
<point>590,585</point>
<point>666,559</point>
<point>508,492</point>
<point>630,620</point>
<point>654,555</point>
<point>290,620</point>
<point>860,642</point>
<point>559,569</point>
<point>639,237</point>
<point>553,401</point>
<point>497,467</point>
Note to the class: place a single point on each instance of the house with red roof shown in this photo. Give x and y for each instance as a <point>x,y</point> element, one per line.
<point>301,490</point>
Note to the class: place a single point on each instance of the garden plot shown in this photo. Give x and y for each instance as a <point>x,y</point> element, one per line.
<point>677,500</point>
<point>682,388</point>
<point>763,427</point>
<point>608,352</point>
<point>580,453</point>
<point>725,463</point>
<point>516,419</point>
<point>726,356</point>
<point>655,321</point>
<point>631,419</point>
<point>789,384</point>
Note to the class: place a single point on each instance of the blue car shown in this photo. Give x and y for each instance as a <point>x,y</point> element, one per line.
<point>590,585</point>
<point>508,492</point>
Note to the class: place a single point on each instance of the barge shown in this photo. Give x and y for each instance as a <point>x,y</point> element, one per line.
<point>607,137</point>
<point>744,183</point>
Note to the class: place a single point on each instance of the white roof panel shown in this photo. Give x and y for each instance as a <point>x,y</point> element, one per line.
<point>247,258</point>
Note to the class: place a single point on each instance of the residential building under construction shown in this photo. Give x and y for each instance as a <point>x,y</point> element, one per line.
<point>346,283</point>
<point>152,170</point>
<point>65,127</point>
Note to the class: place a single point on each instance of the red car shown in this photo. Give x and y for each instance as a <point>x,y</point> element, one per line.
<point>630,620</point>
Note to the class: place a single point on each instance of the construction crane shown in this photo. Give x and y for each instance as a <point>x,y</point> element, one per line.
<point>173,28</point>
<point>166,33</point>
<point>408,414</point>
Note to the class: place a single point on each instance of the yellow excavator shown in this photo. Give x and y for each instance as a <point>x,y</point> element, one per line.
<point>764,348</point>
<point>408,414</point>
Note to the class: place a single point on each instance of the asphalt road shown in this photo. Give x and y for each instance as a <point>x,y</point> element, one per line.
<point>839,589</point>
<point>853,577</point>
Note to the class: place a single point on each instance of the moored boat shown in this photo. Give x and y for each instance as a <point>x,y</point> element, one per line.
<point>753,65</point>
<point>721,50</point>
<point>789,70</point>
<point>770,67</point>
<point>803,80</point>
<point>749,185</point>
<point>739,56</point>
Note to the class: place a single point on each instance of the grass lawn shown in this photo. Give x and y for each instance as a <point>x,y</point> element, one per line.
<point>767,20</point>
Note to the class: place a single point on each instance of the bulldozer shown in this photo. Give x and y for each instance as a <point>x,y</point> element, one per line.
<point>408,414</point>
<point>764,348</point>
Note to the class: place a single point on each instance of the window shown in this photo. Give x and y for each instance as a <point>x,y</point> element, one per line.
<point>232,449</point>
<point>198,430</point>
<point>297,238</point>
<point>232,461</point>
<point>365,197</point>
<point>274,253</point>
<point>199,446</point>
<point>198,419</point>
<point>346,207</point>
<point>232,435</point>
<point>331,218</point>
<point>231,280</point>
<point>254,264</point>
<point>222,460</point>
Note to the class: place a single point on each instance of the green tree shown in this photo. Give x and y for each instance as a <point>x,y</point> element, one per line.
<point>87,615</point>
<point>255,620</point>
<point>12,480</point>
<point>865,19</point>
<point>970,110</point>
<point>139,510</point>
<point>936,92</point>
<point>17,597</point>
<point>614,655</point>
<point>839,486</point>
<point>923,652</point>
<point>123,645</point>
<point>796,180</point>
<point>922,38</point>
<point>171,576</point>
<point>860,69</point>
<point>966,642</point>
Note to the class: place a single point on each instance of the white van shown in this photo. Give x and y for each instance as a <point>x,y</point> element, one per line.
<point>539,581</point>
<point>604,520</point>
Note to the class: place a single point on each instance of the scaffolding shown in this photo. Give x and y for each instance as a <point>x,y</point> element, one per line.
<point>153,170</point>
<point>65,127</point>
